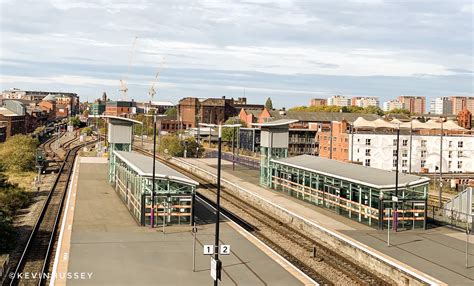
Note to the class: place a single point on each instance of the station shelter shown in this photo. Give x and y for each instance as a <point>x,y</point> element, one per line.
<point>367,195</point>
<point>132,177</point>
<point>131,174</point>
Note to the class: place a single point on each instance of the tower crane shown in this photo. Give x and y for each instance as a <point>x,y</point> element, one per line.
<point>152,91</point>
<point>123,83</point>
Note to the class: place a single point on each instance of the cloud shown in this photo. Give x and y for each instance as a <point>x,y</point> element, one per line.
<point>226,43</point>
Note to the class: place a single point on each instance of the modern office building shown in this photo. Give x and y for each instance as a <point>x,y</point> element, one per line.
<point>441,105</point>
<point>339,100</point>
<point>365,101</point>
<point>392,104</point>
<point>414,104</point>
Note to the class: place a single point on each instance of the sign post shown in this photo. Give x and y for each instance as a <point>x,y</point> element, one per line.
<point>194,246</point>
<point>388,227</point>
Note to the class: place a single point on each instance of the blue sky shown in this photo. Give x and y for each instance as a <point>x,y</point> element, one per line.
<point>289,50</point>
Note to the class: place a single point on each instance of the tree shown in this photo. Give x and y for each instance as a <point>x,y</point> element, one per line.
<point>227,132</point>
<point>374,110</point>
<point>18,153</point>
<point>172,112</point>
<point>269,104</point>
<point>85,113</point>
<point>75,121</point>
<point>171,145</point>
<point>399,111</point>
<point>87,131</point>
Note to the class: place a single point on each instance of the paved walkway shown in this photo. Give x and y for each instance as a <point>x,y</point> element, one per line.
<point>438,252</point>
<point>106,242</point>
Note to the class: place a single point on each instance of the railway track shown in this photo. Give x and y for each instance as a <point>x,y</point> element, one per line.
<point>33,266</point>
<point>327,268</point>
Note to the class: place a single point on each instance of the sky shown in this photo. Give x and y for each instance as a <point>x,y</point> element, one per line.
<point>288,50</point>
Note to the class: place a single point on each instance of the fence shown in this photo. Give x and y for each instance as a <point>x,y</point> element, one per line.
<point>450,217</point>
<point>244,161</point>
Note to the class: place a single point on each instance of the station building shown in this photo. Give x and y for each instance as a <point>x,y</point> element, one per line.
<point>362,193</point>
<point>131,175</point>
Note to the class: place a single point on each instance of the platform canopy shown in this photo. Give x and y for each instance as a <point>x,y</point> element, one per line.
<point>279,122</point>
<point>363,175</point>
<point>143,165</point>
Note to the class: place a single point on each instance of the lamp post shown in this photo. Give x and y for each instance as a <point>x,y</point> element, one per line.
<point>218,195</point>
<point>395,204</point>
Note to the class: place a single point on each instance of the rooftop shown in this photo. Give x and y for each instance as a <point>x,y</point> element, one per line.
<point>368,176</point>
<point>143,165</point>
<point>321,116</point>
<point>278,122</point>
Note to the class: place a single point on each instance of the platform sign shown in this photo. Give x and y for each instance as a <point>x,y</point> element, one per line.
<point>216,266</point>
<point>395,199</point>
<point>224,249</point>
<point>213,268</point>
<point>208,249</point>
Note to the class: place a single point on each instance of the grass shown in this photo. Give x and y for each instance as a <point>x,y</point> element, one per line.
<point>24,180</point>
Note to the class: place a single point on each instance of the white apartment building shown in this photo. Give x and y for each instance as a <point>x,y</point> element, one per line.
<point>392,104</point>
<point>441,105</point>
<point>417,152</point>
<point>339,100</point>
<point>365,101</point>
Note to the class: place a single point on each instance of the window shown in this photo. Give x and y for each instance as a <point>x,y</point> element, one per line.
<point>450,154</point>
<point>423,163</point>
<point>325,148</point>
<point>395,153</point>
<point>367,162</point>
<point>423,153</point>
<point>450,164</point>
<point>394,163</point>
<point>450,144</point>
<point>405,142</point>
<point>460,144</point>
<point>367,152</point>
<point>358,139</point>
<point>394,142</point>
<point>459,164</point>
<point>367,141</point>
<point>404,153</point>
<point>404,163</point>
<point>459,153</point>
<point>423,143</point>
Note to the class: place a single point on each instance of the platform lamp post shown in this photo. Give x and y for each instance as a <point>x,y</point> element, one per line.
<point>218,195</point>
<point>395,204</point>
<point>152,214</point>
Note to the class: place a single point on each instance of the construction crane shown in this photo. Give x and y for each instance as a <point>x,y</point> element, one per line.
<point>123,83</point>
<point>152,91</point>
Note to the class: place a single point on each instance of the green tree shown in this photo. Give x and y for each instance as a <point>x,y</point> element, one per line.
<point>7,234</point>
<point>269,104</point>
<point>172,112</point>
<point>227,132</point>
<point>85,113</point>
<point>87,131</point>
<point>74,121</point>
<point>18,153</point>
<point>374,110</point>
<point>398,111</point>
<point>171,145</point>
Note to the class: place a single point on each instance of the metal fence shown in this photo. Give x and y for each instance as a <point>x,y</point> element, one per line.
<point>450,217</point>
<point>240,160</point>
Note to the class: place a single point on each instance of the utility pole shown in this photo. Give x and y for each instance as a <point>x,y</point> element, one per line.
<point>153,179</point>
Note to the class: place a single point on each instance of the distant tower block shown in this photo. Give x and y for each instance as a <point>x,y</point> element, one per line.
<point>273,145</point>
<point>119,136</point>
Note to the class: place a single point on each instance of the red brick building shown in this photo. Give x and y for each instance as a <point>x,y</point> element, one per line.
<point>334,144</point>
<point>249,116</point>
<point>465,119</point>
<point>318,102</point>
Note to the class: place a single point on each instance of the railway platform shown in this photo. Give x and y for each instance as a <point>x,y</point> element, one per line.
<point>100,237</point>
<point>439,252</point>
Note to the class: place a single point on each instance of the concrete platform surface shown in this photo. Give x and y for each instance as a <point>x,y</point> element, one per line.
<point>108,243</point>
<point>439,252</point>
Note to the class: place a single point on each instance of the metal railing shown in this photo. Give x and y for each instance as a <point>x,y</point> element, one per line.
<point>243,161</point>
<point>450,217</point>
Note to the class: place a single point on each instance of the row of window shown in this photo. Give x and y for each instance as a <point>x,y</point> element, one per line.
<point>405,143</point>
